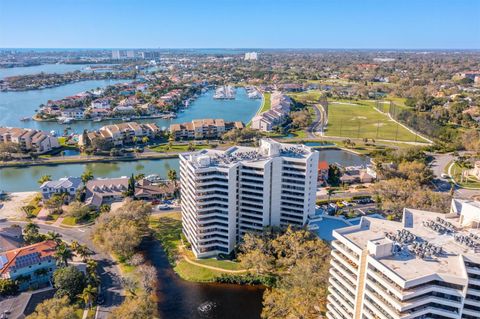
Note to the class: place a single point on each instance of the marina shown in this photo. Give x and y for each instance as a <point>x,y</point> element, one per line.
<point>225,92</point>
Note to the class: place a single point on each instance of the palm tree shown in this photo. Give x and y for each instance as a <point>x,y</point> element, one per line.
<point>330,192</point>
<point>87,176</point>
<point>74,245</point>
<point>63,254</point>
<point>83,252</point>
<point>56,237</point>
<point>88,295</point>
<point>145,139</point>
<point>172,175</point>
<point>135,139</point>
<point>44,178</point>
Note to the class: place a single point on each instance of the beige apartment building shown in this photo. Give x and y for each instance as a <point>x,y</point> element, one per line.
<point>203,128</point>
<point>29,140</point>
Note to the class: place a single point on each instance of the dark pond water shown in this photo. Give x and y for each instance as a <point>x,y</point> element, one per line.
<point>179,299</point>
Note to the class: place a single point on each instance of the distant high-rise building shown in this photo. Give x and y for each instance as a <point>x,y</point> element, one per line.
<point>150,55</point>
<point>251,56</point>
<point>116,54</point>
<point>130,54</point>
<point>426,266</point>
<point>227,193</point>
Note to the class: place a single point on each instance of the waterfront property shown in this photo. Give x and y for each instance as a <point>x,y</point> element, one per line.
<point>64,185</point>
<point>28,140</point>
<point>204,128</point>
<point>120,134</point>
<point>426,266</point>
<point>228,193</point>
<point>32,266</point>
<point>276,115</point>
<point>105,191</point>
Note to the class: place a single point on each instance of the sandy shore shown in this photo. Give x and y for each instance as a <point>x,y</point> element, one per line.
<point>11,207</point>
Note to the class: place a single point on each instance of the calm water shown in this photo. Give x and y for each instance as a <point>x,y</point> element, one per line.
<point>15,105</point>
<point>25,178</point>
<point>342,157</point>
<point>46,68</point>
<point>181,299</point>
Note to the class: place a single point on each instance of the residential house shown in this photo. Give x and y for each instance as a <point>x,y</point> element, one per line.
<point>75,113</point>
<point>147,190</point>
<point>358,174</point>
<point>32,266</point>
<point>105,191</point>
<point>103,103</point>
<point>65,185</point>
<point>29,140</point>
<point>322,172</point>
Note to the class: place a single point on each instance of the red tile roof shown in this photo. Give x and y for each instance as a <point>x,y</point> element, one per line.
<point>323,165</point>
<point>39,251</point>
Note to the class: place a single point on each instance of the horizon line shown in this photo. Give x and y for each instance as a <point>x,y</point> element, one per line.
<point>235,48</point>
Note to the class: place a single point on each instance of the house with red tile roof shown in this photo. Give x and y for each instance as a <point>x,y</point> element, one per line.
<point>32,266</point>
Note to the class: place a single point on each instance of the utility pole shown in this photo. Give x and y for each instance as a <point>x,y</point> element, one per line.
<point>378,127</point>
<point>396,133</point>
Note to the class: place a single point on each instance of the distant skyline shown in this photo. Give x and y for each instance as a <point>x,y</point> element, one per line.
<point>366,24</point>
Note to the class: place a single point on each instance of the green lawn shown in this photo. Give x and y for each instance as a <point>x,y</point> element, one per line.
<point>267,103</point>
<point>191,272</point>
<point>69,221</point>
<point>469,182</point>
<point>307,97</point>
<point>363,121</point>
<point>177,148</point>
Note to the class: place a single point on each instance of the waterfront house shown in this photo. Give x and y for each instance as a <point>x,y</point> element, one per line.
<point>32,266</point>
<point>105,191</point>
<point>122,133</point>
<point>99,112</point>
<point>146,190</point>
<point>28,140</point>
<point>127,109</point>
<point>75,113</point>
<point>322,172</point>
<point>103,103</point>
<point>10,238</point>
<point>66,185</point>
<point>203,128</point>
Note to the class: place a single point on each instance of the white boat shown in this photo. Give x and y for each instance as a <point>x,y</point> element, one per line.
<point>225,92</point>
<point>125,119</point>
<point>26,118</point>
<point>97,119</point>
<point>65,120</point>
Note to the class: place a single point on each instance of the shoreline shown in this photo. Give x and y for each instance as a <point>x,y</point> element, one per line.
<point>64,161</point>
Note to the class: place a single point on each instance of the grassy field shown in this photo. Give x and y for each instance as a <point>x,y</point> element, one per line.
<point>469,182</point>
<point>363,121</point>
<point>267,103</point>
<point>177,148</point>
<point>307,96</point>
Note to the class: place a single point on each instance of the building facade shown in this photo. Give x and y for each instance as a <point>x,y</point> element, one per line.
<point>276,115</point>
<point>28,140</point>
<point>426,266</point>
<point>242,189</point>
<point>32,266</point>
<point>203,128</point>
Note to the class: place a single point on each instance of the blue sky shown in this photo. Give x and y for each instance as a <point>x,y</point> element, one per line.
<point>453,24</point>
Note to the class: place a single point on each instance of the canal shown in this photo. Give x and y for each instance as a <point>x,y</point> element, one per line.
<point>17,179</point>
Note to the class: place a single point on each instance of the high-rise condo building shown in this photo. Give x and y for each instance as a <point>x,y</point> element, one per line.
<point>226,193</point>
<point>426,266</point>
<point>116,54</point>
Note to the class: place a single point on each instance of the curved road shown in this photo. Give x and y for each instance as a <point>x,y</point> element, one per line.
<point>317,126</point>
<point>108,270</point>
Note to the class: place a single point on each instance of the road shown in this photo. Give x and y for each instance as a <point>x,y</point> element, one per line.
<point>316,128</point>
<point>439,166</point>
<point>108,269</point>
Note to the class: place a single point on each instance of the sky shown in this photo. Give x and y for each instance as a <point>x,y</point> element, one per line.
<point>362,24</point>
